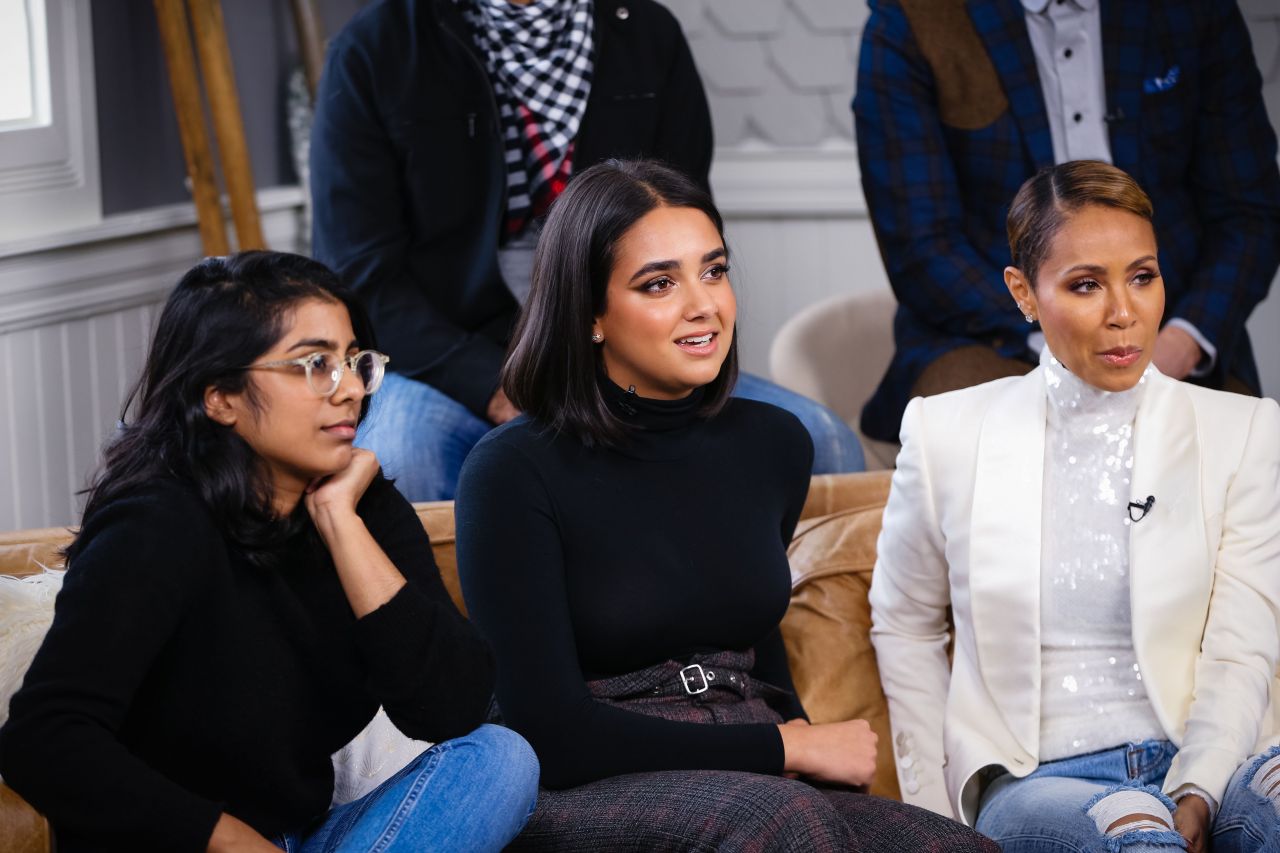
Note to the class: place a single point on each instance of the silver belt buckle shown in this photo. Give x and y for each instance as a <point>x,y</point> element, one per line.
<point>687,678</point>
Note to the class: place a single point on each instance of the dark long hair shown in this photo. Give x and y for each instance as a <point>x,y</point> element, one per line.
<point>551,371</point>
<point>224,314</point>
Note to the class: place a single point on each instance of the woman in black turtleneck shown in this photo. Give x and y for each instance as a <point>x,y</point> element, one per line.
<point>634,598</point>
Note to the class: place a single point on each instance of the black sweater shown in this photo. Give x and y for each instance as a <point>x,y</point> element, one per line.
<point>614,560</point>
<point>179,681</point>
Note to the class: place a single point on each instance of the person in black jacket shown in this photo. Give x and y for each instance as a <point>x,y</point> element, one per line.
<point>440,139</point>
<point>634,601</point>
<point>245,591</point>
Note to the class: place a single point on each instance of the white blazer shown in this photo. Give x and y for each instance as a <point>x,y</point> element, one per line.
<point>962,528</point>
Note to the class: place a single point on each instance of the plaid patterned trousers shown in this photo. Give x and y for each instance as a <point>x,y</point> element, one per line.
<point>713,810</point>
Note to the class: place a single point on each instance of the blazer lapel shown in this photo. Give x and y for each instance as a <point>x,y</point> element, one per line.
<point>1004,554</point>
<point>1169,561</point>
<point>1003,29</point>
<point>1125,29</point>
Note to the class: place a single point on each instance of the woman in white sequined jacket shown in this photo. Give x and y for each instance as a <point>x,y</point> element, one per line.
<point>1108,542</point>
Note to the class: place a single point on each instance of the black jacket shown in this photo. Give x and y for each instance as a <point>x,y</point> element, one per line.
<point>408,178</point>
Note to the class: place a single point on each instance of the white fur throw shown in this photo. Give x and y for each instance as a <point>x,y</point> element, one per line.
<point>26,610</point>
<point>372,757</point>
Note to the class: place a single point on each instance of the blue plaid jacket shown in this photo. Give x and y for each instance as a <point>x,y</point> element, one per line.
<point>950,122</point>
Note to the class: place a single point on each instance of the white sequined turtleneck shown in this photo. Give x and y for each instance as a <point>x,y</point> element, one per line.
<point>1092,695</point>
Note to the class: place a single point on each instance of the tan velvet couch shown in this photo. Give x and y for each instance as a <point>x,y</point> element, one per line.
<point>825,629</point>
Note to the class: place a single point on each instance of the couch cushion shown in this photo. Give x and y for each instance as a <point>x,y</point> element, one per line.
<point>826,628</point>
<point>22,828</point>
<point>829,493</point>
<point>437,518</point>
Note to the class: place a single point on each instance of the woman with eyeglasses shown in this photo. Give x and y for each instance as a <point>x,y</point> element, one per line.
<point>245,591</point>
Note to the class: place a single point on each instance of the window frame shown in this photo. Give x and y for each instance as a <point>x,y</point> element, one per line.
<point>49,179</point>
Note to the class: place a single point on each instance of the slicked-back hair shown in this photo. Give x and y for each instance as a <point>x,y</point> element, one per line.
<point>1050,196</point>
<point>552,368</point>
<point>223,315</point>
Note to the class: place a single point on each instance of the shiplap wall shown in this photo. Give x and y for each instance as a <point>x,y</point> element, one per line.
<point>75,315</point>
<point>70,378</point>
<point>75,323</point>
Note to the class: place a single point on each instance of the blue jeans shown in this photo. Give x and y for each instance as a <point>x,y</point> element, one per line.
<point>1046,811</point>
<point>472,793</point>
<point>421,436</point>
<point>1247,821</point>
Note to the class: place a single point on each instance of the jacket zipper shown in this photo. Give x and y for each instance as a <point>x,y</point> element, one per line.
<point>493,111</point>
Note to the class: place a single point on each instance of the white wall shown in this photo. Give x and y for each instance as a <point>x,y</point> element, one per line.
<point>784,265</point>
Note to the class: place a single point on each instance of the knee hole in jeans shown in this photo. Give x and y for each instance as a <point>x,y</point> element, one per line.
<point>1264,777</point>
<point>1124,810</point>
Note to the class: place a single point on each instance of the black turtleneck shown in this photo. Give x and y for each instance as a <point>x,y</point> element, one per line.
<point>579,563</point>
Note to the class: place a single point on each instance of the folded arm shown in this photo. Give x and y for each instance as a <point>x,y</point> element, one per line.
<point>427,665</point>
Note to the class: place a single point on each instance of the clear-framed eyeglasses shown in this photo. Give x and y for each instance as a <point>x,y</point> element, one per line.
<point>324,370</point>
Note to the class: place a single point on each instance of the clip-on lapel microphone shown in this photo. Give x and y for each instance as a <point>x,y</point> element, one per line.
<point>1143,507</point>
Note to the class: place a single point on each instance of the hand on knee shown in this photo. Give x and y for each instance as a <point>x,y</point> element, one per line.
<point>843,753</point>
<point>1194,822</point>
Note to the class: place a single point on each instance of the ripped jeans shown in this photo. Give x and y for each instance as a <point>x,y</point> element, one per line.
<point>1058,806</point>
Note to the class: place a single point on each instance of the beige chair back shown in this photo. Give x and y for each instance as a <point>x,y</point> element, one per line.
<point>836,351</point>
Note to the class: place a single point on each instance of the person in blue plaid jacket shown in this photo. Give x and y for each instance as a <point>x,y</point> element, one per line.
<point>960,101</point>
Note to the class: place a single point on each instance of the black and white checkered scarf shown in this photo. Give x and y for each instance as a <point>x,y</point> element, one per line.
<point>540,58</point>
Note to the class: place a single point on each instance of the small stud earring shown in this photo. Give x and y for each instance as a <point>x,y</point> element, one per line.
<point>596,337</point>
<point>1028,318</point>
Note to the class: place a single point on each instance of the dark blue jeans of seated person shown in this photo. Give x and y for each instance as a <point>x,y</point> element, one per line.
<point>1057,808</point>
<point>421,436</point>
<point>473,793</point>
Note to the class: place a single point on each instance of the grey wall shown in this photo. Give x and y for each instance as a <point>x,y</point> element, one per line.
<point>141,154</point>
<point>777,71</point>
<point>781,72</point>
